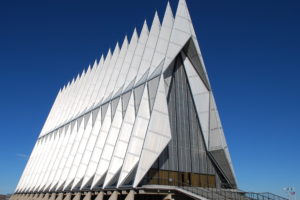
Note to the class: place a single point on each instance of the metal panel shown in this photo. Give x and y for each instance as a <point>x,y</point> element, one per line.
<point>163,40</point>
<point>94,115</point>
<point>157,71</point>
<point>55,172</point>
<point>201,97</point>
<point>108,147</point>
<point>202,70</point>
<point>73,110</point>
<point>59,175</point>
<point>116,71</point>
<point>69,100</point>
<point>136,60</point>
<point>182,125</point>
<point>142,79</point>
<point>67,168</point>
<point>196,138</point>
<point>97,151</point>
<point>152,88</point>
<point>137,56</point>
<point>51,159</point>
<point>53,108</point>
<point>33,170</point>
<point>173,150</point>
<point>217,143</point>
<point>95,99</point>
<point>191,52</point>
<point>95,84</point>
<point>180,33</point>
<point>53,112</point>
<point>138,134</point>
<point>65,135</point>
<point>40,163</point>
<point>80,149</point>
<point>29,166</point>
<point>158,134</point>
<point>216,138</point>
<point>88,149</point>
<point>70,112</point>
<point>186,148</point>
<point>99,86</point>
<point>138,93</point>
<point>122,143</point>
<point>86,91</point>
<point>110,71</point>
<point>90,89</point>
<point>221,158</point>
<point>125,101</point>
<point>149,48</point>
<point>127,61</point>
<point>114,105</point>
<point>103,111</point>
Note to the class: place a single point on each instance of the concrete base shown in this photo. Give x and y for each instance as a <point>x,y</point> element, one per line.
<point>16,196</point>
<point>114,196</point>
<point>40,197</point>
<point>30,197</point>
<point>77,196</point>
<point>13,197</point>
<point>60,196</point>
<point>35,196</point>
<point>46,197</point>
<point>53,196</point>
<point>22,197</point>
<point>25,197</point>
<point>100,196</point>
<point>142,193</point>
<point>68,196</point>
<point>88,196</point>
<point>130,195</point>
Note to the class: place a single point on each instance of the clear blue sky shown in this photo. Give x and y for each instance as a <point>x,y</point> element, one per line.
<point>251,50</point>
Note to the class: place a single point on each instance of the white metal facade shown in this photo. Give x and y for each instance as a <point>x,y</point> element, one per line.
<point>113,119</point>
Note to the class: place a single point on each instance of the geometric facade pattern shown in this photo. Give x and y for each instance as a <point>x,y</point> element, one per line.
<point>146,107</point>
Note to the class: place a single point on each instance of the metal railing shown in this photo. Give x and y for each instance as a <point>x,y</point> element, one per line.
<point>214,193</point>
<point>272,196</point>
<point>264,196</point>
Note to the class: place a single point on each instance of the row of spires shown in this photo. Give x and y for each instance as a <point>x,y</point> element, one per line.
<point>109,54</point>
<point>63,113</point>
<point>80,78</point>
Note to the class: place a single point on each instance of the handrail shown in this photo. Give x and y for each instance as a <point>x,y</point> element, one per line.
<point>216,193</point>
<point>273,196</point>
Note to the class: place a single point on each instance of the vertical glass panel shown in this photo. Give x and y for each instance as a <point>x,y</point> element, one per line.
<point>195,180</point>
<point>211,181</point>
<point>173,178</point>
<point>163,177</point>
<point>203,180</point>
<point>153,177</point>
